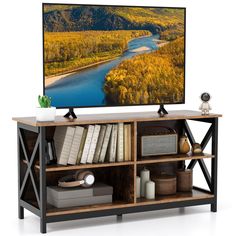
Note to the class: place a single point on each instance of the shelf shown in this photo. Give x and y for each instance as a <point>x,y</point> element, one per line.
<point>56,167</point>
<point>181,196</point>
<point>172,158</point>
<point>53,211</point>
<point>194,195</point>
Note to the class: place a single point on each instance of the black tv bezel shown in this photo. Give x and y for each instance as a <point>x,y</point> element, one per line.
<point>118,105</point>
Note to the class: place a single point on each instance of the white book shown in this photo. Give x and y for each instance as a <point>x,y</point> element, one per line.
<point>99,144</point>
<point>120,142</point>
<point>105,143</point>
<point>113,144</point>
<point>87,144</point>
<point>63,138</point>
<point>75,145</point>
<point>93,143</point>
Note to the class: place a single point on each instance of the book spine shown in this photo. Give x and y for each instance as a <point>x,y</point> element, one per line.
<point>105,143</point>
<point>59,137</point>
<point>81,147</point>
<point>87,144</point>
<point>75,145</point>
<point>112,154</point>
<point>129,142</point>
<point>99,144</point>
<point>120,142</point>
<point>93,143</point>
<point>66,146</point>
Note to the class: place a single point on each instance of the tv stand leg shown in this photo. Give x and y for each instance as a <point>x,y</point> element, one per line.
<point>214,207</point>
<point>70,114</point>
<point>162,111</point>
<point>21,212</point>
<point>43,226</point>
<point>119,217</point>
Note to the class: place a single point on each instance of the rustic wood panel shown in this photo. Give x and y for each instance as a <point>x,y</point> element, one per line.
<point>117,117</point>
<point>195,195</point>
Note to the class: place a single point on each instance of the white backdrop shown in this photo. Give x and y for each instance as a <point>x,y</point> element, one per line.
<point>210,66</point>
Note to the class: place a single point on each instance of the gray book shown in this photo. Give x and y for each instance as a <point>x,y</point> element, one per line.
<point>63,138</point>
<point>105,143</point>
<point>113,144</point>
<point>99,144</point>
<point>75,145</point>
<point>82,201</point>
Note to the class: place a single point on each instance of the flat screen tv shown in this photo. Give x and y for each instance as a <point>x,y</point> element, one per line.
<point>97,55</point>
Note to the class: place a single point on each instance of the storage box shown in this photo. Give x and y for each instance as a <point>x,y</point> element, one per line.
<point>165,184</point>
<point>79,196</point>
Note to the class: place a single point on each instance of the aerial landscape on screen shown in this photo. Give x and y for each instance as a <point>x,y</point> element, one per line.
<point>111,55</point>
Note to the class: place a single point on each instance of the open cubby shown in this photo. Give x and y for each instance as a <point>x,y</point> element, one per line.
<point>34,175</point>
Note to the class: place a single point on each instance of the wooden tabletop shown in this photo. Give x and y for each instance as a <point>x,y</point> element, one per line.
<point>116,117</point>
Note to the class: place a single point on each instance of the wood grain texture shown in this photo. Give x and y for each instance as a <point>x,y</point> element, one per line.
<point>172,158</point>
<point>116,117</point>
<point>56,167</point>
<point>195,195</point>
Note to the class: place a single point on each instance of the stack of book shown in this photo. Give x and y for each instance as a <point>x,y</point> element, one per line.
<point>93,144</point>
<point>79,196</point>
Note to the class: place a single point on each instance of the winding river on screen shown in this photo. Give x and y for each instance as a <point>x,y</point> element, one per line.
<point>85,87</point>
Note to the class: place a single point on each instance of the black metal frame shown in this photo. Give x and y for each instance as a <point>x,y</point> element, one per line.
<point>41,191</point>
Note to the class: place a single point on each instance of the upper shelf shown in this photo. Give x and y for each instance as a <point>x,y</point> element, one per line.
<point>116,117</point>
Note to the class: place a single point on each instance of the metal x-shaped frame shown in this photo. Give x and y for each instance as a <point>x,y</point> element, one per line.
<point>23,178</point>
<point>211,133</point>
<point>30,161</point>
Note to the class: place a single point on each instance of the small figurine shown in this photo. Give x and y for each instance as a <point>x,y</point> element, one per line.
<point>196,149</point>
<point>205,106</point>
<point>184,146</point>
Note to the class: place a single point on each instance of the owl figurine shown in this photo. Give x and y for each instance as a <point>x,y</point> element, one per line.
<point>184,146</point>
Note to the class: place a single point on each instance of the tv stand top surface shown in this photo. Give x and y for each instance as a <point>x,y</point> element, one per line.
<point>116,117</point>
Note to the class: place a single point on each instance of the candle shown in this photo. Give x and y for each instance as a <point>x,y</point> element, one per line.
<point>137,186</point>
<point>145,176</point>
<point>150,190</point>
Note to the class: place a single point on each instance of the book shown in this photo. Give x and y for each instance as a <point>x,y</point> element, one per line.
<point>63,138</point>
<point>120,142</point>
<point>99,144</point>
<point>127,142</point>
<point>87,144</point>
<point>98,189</point>
<point>113,144</point>
<point>79,196</point>
<point>105,143</point>
<point>50,152</point>
<point>93,143</point>
<point>75,145</point>
<point>81,147</point>
<point>82,201</point>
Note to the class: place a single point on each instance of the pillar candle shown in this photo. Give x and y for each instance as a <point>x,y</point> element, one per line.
<point>145,176</point>
<point>150,190</point>
<point>137,186</point>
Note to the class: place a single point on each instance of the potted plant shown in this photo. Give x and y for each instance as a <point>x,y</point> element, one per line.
<point>45,112</point>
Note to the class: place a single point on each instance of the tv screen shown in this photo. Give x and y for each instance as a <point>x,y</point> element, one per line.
<point>98,55</point>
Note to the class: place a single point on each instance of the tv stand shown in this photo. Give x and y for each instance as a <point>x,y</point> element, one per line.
<point>70,113</point>
<point>162,111</point>
<point>34,175</point>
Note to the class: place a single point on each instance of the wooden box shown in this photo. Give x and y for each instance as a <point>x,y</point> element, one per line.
<point>165,184</point>
<point>184,180</point>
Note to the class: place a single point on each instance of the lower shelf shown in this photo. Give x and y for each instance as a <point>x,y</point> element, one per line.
<point>194,195</point>
<point>181,196</point>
